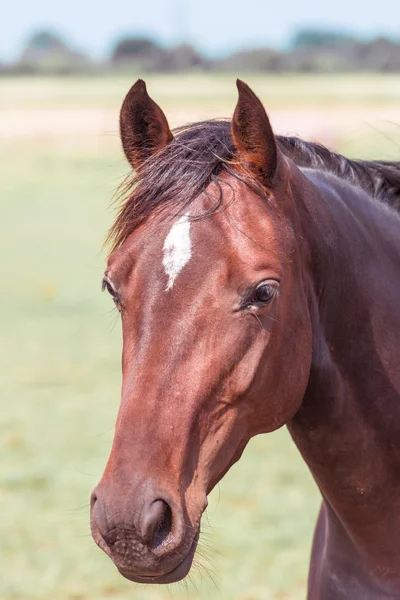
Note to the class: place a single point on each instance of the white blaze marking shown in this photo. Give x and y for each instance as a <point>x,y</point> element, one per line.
<point>177,249</point>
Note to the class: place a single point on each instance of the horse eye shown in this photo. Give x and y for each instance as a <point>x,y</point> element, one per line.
<point>107,286</point>
<point>109,289</point>
<point>263,294</point>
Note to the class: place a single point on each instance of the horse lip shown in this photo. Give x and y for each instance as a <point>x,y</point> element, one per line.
<point>176,574</point>
<point>98,539</point>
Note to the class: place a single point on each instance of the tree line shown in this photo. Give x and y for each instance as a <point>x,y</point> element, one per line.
<point>311,50</point>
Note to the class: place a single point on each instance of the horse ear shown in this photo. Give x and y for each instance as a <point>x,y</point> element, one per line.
<point>252,134</point>
<point>143,126</point>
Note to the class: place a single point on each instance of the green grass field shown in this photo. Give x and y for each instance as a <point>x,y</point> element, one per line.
<point>60,340</point>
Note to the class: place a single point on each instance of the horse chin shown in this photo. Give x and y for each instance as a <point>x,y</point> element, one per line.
<point>173,576</point>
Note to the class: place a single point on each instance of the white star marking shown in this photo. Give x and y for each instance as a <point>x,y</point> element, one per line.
<point>177,249</point>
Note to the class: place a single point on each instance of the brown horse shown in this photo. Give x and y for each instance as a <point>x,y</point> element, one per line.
<point>258,281</point>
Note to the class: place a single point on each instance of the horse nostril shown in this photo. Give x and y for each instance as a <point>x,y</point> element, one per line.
<point>164,526</point>
<point>93,499</point>
<point>157,524</point>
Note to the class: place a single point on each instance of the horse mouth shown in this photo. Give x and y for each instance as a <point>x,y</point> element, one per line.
<point>173,576</point>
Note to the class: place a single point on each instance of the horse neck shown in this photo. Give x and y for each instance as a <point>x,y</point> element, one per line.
<point>350,417</point>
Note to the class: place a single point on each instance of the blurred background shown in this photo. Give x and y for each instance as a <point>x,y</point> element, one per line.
<point>326,71</point>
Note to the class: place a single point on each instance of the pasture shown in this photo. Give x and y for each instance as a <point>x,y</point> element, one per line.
<point>60,337</point>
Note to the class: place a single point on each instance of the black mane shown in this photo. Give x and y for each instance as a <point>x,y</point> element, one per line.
<point>380,179</point>
<point>200,152</point>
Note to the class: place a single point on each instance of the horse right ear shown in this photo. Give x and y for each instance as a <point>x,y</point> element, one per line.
<point>143,126</point>
<point>253,136</point>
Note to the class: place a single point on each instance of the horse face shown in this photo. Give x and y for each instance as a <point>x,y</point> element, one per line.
<point>216,349</point>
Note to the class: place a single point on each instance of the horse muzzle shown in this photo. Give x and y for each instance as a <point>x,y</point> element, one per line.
<point>153,543</point>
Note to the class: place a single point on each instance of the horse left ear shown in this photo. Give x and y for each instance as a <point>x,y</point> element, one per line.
<point>253,136</point>
<point>143,126</point>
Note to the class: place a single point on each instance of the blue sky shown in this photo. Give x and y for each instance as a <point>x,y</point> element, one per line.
<point>214,26</point>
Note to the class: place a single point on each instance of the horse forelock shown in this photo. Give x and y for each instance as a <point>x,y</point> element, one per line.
<point>174,177</point>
